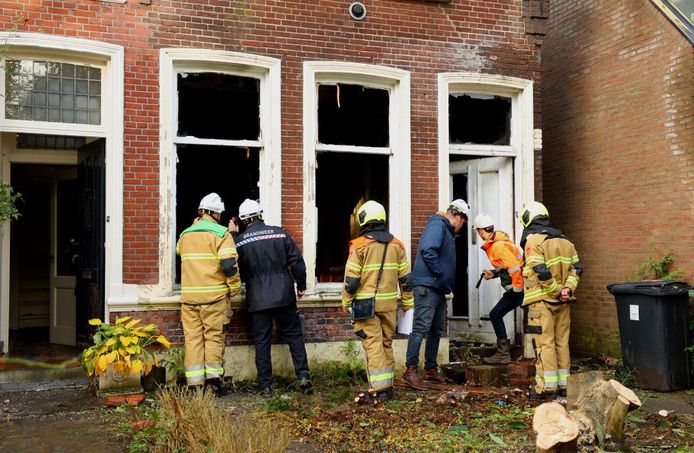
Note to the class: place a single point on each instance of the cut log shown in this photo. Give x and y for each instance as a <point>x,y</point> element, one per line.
<point>555,429</point>
<point>603,403</point>
<point>485,375</point>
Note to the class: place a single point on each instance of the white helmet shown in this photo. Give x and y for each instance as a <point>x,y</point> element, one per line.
<point>460,206</point>
<point>212,202</point>
<point>483,221</point>
<point>249,208</point>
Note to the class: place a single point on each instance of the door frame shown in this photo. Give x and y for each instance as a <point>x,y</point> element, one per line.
<point>111,58</point>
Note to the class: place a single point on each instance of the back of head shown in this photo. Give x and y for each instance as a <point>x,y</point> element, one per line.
<point>531,212</point>
<point>250,210</point>
<point>459,207</point>
<point>371,211</point>
<point>211,203</point>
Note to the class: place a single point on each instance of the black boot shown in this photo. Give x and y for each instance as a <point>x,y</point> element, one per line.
<point>216,386</point>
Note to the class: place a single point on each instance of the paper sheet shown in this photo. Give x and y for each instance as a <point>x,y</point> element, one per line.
<point>405,321</point>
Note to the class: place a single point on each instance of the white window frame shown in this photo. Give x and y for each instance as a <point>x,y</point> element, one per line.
<point>267,70</point>
<point>110,58</point>
<point>521,144</point>
<point>397,81</point>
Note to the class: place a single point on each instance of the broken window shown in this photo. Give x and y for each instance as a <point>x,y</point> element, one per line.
<point>40,141</point>
<point>461,306</point>
<point>344,181</point>
<point>479,119</point>
<point>353,115</point>
<point>232,172</point>
<point>218,106</point>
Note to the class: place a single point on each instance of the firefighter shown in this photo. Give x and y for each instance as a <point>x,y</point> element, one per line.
<point>209,276</point>
<point>551,274</point>
<point>270,263</point>
<point>507,260</point>
<point>373,249</point>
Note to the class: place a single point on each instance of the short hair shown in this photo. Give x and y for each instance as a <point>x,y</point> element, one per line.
<point>208,212</point>
<point>252,219</point>
<point>453,211</point>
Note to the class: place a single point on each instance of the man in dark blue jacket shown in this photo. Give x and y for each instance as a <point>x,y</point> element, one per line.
<point>269,264</point>
<point>433,277</point>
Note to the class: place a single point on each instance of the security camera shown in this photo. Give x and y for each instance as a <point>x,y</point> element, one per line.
<point>357,10</point>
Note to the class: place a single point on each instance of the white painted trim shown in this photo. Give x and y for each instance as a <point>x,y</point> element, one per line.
<point>267,69</point>
<point>481,150</point>
<point>111,56</point>
<point>521,93</point>
<point>397,82</point>
<point>217,142</point>
<point>353,149</point>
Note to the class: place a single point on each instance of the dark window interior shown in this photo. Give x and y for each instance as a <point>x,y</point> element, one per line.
<point>352,115</point>
<point>479,119</point>
<point>218,106</point>
<point>343,182</point>
<point>231,172</point>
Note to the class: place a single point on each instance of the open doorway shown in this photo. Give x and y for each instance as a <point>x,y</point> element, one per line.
<point>56,253</point>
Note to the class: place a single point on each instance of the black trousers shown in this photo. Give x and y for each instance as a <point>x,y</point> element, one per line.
<point>289,324</point>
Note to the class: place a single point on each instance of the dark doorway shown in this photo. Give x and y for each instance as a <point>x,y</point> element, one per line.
<point>461,306</point>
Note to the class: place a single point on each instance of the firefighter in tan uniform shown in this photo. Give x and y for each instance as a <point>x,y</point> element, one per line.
<point>551,274</point>
<point>209,276</point>
<point>375,248</point>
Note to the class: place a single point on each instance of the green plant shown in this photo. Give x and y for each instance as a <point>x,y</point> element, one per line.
<point>8,202</point>
<point>123,344</point>
<point>659,269</point>
<point>174,361</point>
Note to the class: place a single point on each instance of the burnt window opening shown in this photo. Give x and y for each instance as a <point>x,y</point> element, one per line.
<point>203,169</point>
<point>40,141</point>
<point>461,305</point>
<point>479,119</point>
<point>337,203</point>
<point>220,106</point>
<point>353,115</point>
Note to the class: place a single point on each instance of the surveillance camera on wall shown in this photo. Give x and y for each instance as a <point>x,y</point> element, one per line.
<point>357,10</point>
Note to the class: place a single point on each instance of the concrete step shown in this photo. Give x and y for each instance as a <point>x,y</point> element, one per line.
<point>11,377</point>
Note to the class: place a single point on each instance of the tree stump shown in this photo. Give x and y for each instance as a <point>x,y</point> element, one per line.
<point>603,403</point>
<point>556,431</point>
<point>485,375</point>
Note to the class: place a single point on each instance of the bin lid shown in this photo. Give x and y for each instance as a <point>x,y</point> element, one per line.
<point>651,288</point>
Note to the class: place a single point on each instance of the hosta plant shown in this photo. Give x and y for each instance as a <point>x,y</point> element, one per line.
<point>125,344</point>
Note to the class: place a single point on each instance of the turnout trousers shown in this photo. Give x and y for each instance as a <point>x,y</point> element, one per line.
<point>203,328</point>
<point>377,338</point>
<point>549,324</point>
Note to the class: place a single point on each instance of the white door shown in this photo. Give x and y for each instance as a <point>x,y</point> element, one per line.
<point>489,190</point>
<point>63,303</point>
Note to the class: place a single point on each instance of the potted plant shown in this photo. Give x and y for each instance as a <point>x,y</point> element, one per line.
<point>121,354</point>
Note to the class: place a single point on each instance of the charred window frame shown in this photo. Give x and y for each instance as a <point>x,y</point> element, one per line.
<point>378,141</point>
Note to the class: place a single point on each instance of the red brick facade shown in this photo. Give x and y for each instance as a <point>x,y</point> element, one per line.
<point>426,38</point>
<point>618,151</point>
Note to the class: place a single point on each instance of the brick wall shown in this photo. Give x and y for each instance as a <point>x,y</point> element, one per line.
<point>489,36</point>
<point>618,148</point>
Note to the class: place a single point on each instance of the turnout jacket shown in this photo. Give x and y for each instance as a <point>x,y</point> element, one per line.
<point>209,271</point>
<point>361,272</point>
<point>507,260</point>
<point>551,263</point>
<point>270,262</point>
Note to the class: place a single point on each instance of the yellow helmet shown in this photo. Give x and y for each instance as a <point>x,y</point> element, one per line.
<point>371,211</point>
<point>531,211</point>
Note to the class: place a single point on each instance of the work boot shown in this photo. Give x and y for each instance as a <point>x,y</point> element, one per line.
<point>305,386</point>
<point>544,396</point>
<point>561,393</point>
<point>412,378</point>
<point>216,386</point>
<point>502,356</point>
<point>266,392</point>
<point>432,375</point>
<point>384,395</point>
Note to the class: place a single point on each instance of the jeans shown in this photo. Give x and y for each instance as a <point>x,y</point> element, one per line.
<point>429,321</point>
<point>508,302</point>
<point>289,323</point>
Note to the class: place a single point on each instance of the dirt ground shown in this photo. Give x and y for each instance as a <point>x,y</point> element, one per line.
<point>74,420</point>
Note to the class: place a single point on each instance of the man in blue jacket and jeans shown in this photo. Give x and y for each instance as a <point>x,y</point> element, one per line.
<point>433,277</point>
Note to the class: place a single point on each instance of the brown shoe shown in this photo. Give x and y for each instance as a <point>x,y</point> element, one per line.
<point>412,378</point>
<point>502,356</point>
<point>433,375</point>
